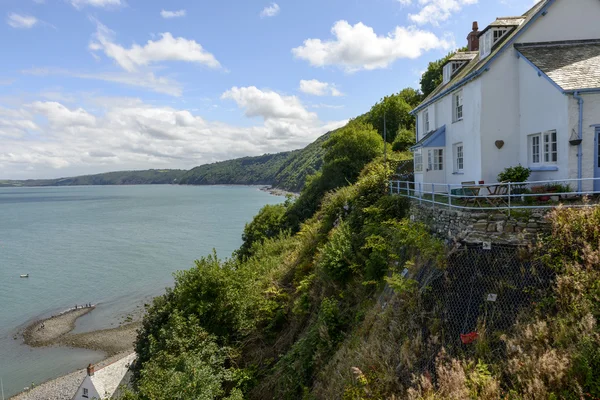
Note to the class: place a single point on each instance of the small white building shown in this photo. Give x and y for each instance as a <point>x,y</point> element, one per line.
<point>527,92</point>
<point>103,384</point>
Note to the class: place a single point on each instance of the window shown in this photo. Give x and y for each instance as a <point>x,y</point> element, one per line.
<point>426,121</point>
<point>550,147</point>
<point>85,393</point>
<point>535,149</point>
<point>543,148</point>
<point>435,160</point>
<point>485,44</point>
<point>459,161</point>
<point>450,69</point>
<point>498,34</point>
<point>418,161</point>
<point>447,73</point>
<point>457,101</point>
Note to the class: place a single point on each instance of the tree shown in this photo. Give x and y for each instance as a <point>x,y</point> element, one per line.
<point>396,109</point>
<point>434,75</point>
<point>404,140</point>
<point>266,225</point>
<point>347,152</point>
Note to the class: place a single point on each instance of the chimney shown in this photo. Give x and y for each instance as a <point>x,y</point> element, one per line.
<point>473,39</point>
<point>90,370</point>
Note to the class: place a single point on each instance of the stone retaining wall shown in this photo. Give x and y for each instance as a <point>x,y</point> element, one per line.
<point>522,227</point>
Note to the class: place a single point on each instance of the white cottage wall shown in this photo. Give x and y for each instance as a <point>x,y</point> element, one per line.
<point>465,132</point>
<point>500,116</point>
<point>566,20</point>
<point>591,117</point>
<point>92,392</point>
<point>543,108</point>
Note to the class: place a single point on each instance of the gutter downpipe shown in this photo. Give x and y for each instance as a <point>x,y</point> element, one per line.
<point>577,96</point>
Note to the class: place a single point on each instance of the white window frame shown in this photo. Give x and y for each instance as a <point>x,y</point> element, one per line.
<point>435,160</point>
<point>497,34</point>
<point>459,157</point>
<point>543,148</point>
<point>447,71</point>
<point>550,147</point>
<point>418,157</point>
<point>426,121</point>
<point>457,106</point>
<point>485,44</point>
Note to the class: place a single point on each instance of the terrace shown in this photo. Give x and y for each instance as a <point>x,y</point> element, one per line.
<point>504,196</point>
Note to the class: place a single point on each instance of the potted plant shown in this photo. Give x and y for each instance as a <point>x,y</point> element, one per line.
<point>541,191</point>
<point>517,175</point>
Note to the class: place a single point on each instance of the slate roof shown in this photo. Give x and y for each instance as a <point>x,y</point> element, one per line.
<point>107,380</point>
<point>572,65</point>
<point>506,21</point>
<point>477,65</point>
<point>464,56</point>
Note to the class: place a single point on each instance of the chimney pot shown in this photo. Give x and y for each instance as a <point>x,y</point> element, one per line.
<point>473,39</point>
<point>90,370</point>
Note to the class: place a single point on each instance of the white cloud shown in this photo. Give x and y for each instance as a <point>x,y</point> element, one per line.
<point>167,48</point>
<point>318,88</point>
<point>60,116</point>
<point>173,14</point>
<point>436,11</point>
<point>268,104</point>
<point>48,139</point>
<point>96,3</point>
<point>270,11</point>
<point>146,80</point>
<point>21,21</point>
<point>39,1</point>
<point>358,47</point>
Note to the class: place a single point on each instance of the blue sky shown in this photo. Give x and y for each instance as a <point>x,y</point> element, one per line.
<point>91,86</point>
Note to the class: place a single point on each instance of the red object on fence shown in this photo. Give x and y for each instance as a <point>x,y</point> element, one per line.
<point>469,337</point>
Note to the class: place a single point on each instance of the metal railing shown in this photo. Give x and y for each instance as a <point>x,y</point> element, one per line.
<point>501,196</point>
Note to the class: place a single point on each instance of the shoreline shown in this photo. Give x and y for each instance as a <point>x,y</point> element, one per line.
<point>115,343</point>
<point>56,331</point>
<point>278,192</point>
<point>63,387</point>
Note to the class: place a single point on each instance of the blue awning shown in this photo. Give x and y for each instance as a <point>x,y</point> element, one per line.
<point>432,139</point>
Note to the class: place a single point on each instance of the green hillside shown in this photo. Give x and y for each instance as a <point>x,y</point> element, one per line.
<point>286,171</point>
<point>148,177</point>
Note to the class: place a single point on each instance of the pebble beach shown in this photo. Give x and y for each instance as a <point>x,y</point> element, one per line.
<point>116,343</point>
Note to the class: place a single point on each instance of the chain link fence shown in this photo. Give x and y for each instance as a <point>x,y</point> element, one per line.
<point>477,298</point>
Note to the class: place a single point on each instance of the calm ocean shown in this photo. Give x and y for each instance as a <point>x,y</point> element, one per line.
<point>116,246</point>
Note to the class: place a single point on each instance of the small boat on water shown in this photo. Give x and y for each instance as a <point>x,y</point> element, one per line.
<point>25,276</point>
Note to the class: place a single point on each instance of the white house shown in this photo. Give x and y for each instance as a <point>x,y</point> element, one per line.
<point>525,93</point>
<point>104,383</point>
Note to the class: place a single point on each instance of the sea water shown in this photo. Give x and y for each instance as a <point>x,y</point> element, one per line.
<point>115,246</point>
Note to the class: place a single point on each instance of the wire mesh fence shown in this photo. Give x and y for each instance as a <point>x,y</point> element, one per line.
<point>478,297</point>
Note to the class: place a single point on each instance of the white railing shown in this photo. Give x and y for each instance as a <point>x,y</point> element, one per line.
<point>502,196</point>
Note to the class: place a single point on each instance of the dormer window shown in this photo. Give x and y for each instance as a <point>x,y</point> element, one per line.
<point>498,33</point>
<point>450,69</point>
<point>489,39</point>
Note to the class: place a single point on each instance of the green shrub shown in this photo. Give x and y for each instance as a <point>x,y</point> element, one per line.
<point>266,225</point>
<point>404,140</point>
<point>337,255</point>
<point>514,174</point>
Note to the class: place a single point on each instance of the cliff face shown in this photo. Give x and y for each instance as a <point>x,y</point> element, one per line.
<point>364,304</point>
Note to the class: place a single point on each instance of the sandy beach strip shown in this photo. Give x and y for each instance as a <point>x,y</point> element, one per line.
<point>63,388</point>
<point>48,331</point>
<point>110,341</point>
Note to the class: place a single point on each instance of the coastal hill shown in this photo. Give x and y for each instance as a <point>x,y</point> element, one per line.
<point>286,171</point>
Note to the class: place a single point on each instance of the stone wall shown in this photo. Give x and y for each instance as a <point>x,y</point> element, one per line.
<point>521,227</point>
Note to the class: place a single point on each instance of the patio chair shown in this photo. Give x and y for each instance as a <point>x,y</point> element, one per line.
<point>470,191</point>
<point>497,194</point>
